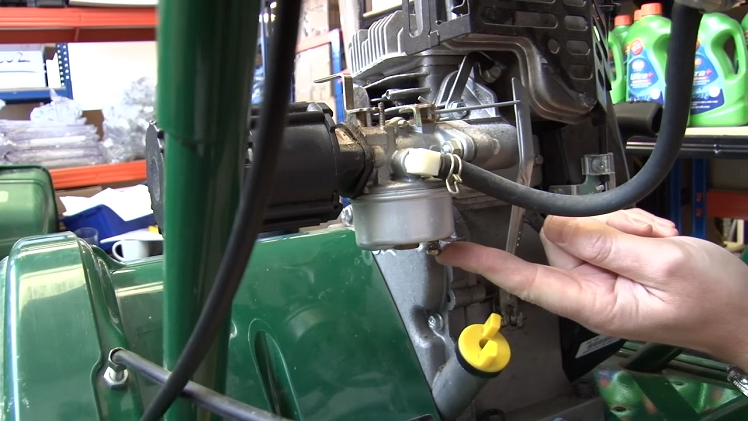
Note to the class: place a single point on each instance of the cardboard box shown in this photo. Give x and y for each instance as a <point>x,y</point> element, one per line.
<point>313,64</point>
<point>82,192</point>
<point>318,17</point>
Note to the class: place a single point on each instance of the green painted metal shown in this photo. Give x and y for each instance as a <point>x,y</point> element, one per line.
<point>667,395</point>
<point>206,61</point>
<point>60,319</point>
<point>314,333</point>
<point>651,357</point>
<point>27,204</point>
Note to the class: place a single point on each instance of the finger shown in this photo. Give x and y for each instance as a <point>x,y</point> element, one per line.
<point>591,240</point>
<point>643,225</point>
<point>638,223</point>
<point>548,287</point>
<point>648,216</point>
<point>666,226</point>
<point>558,257</point>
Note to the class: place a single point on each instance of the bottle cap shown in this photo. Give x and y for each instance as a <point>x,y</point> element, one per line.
<point>637,15</point>
<point>483,347</point>
<point>649,9</point>
<point>622,20</point>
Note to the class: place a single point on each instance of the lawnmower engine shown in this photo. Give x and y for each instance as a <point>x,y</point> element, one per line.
<point>358,320</point>
<point>519,89</point>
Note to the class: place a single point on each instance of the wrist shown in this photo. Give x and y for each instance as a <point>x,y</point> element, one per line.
<point>733,348</point>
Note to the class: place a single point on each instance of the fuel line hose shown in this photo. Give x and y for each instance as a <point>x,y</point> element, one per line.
<point>679,81</point>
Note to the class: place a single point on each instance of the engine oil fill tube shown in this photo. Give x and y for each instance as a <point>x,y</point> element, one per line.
<point>481,353</point>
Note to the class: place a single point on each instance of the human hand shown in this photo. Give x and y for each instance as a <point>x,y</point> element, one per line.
<point>627,274</point>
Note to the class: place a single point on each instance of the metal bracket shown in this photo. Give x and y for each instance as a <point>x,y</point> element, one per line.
<point>599,176</point>
<point>362,115</point>
<point>508,303</point>
<point>115,375</point>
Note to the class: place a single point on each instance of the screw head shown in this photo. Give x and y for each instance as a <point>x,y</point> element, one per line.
<point>115,379</point>
<point>436,322</point>
<point>346,216</point>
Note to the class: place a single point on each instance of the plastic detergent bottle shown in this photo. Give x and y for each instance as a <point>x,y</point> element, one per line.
<point>617,58</point>
<point>646,49</point>
<point>719,91</point>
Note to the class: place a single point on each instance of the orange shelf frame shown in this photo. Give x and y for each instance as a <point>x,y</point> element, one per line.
<point>317,41</point>
<point>71,178</point>
<point>36,25</point>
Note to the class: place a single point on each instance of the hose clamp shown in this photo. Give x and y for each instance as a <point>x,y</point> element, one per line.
<point>454,178</point>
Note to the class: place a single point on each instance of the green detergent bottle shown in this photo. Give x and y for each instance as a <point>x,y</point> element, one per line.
<point>646,49</point>
<point>617,58</point>
<point>719,91</point>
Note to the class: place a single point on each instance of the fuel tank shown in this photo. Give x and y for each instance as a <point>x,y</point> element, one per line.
<point>314,332</point>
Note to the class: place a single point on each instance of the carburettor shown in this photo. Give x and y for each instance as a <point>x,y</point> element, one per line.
<point>400,210</point>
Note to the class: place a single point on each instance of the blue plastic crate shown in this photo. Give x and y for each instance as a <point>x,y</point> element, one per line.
<point>107,222</point>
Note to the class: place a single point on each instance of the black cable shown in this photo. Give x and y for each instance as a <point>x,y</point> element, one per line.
<point>254,199</point>
<point>211,400</point>
<point>679,81</point>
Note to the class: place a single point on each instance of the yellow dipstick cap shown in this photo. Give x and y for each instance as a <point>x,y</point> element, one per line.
<point>483,347</point>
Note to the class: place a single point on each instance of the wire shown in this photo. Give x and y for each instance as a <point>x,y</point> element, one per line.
<point>253,201</point>
<point>679,81</point>
<point>211,400</point>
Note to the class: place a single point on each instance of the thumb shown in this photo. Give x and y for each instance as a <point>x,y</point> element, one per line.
<point>592,241</point>
<point>545,286</point>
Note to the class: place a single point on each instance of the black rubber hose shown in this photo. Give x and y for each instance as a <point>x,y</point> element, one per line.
<point>638,118</point>
<point>254,199</point>
<point>679,80</point>
<point>211,400</point>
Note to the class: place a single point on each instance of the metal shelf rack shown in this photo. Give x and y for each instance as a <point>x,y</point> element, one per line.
<point>701,145</point>
<point>39,25</point>
<point>14,96</point>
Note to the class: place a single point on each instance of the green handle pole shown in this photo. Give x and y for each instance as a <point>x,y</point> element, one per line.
<point>205,66</point>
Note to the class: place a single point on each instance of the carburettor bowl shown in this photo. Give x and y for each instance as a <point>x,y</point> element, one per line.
<point>403,218</point>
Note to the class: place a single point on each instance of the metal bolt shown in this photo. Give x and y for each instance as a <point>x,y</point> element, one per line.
<point>436,322</point>
<point>456,115</point>
<point>600,188</point>
<point>493,415</point>
<point>115,375</point>
<point>346,216</point>
<point>453,146</point>
<point>115,379</point>
<point>538,159</point>
<point>433,248</point>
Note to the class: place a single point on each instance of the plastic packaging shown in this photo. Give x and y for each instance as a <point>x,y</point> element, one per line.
<point>57,158</point>
<point>126,121</point>
<point>50,144</point>
<point>719,89</point>
<point>59,110</point>
<point>646,48</point>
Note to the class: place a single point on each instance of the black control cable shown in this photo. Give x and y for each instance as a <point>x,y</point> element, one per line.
<point>679,81</point>
<point>206,398</point>
<point>254,199</point>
